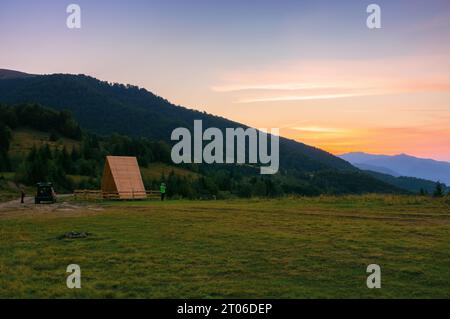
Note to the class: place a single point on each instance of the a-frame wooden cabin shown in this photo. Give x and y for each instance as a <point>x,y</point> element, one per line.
<point>122,178</point>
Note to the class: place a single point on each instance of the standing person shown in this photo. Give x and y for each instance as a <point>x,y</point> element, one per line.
<point>22,196</point>
<point>162,190</point>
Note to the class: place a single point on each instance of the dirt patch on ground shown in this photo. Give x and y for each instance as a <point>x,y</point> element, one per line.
<point>62,206</point>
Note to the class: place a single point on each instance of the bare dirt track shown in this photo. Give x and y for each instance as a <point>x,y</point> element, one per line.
<point>15,208</point>
<point>16,203</point>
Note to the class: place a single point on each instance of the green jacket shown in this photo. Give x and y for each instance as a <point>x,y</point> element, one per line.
<point>162,189</point>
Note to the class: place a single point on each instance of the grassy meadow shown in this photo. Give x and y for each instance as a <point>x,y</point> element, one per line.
<point>24,139</point>
<point>281,248</point>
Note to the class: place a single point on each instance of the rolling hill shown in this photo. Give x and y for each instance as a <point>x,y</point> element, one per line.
<point>412,184</point>
<point>105,108</point>
<point>24,139</point>
<point>11,74</point>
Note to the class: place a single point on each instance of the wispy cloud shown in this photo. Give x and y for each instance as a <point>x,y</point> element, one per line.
<point>277,86</point>
<point>337,79</point>
<point>300,97</point>
<point>317,129</point>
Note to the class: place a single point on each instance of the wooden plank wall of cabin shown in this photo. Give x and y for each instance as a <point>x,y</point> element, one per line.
<point>127,177</point>
<point>108,183</point>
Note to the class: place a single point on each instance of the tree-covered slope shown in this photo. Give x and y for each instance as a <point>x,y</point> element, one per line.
<point>52,158</point>
<point>412,184</point>
<point>106,108</point>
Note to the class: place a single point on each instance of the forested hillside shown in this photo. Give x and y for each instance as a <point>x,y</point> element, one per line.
<point>81,164</point>
<point>412,184</point>
<point>106,108</point>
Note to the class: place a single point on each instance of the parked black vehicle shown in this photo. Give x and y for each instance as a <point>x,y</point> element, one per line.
<point>45,193</point>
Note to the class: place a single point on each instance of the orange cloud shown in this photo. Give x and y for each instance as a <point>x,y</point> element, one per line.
<point>300,97</point>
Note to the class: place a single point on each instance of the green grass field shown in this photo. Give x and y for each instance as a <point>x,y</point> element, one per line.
<point>286,248</point>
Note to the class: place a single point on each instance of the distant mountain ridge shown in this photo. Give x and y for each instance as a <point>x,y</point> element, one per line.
<point>412,184</point>
<point>374,168</point>
<point>401,165</point>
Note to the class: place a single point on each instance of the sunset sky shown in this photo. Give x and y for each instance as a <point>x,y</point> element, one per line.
<point>311,68</point>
